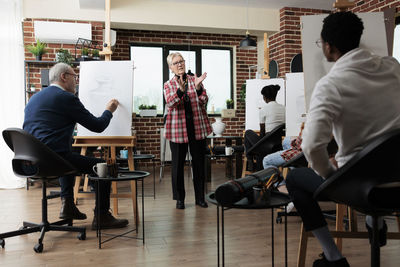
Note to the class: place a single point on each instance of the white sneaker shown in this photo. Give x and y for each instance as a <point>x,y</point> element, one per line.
<point>289,207</point>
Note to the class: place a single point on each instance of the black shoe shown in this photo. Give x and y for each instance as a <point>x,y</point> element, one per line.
<point>180,204</point>
<point>69,210</point>
<point>382,234</point>
<point>107,221</point>
<point>323,262</point>
<point>202,204</point>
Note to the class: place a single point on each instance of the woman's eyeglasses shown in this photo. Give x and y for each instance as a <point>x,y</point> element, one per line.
<point>178,62</point>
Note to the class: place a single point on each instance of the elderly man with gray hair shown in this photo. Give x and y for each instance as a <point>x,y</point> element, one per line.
<point>51,116</point>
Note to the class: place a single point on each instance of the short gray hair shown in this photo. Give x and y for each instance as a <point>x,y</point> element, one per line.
<point>56,71</point>
<point>172,56</point>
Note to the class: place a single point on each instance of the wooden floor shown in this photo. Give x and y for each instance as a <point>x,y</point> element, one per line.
<point>173,237</point>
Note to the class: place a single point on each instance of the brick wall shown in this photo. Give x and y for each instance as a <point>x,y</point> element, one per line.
<point>147,128</point>
<point>29,38</point>
<point>286,43</point>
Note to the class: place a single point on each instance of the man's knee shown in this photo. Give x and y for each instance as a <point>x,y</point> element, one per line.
<point>291,178</point>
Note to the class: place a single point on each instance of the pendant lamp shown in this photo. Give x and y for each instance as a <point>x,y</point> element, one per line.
<point>248,43</point>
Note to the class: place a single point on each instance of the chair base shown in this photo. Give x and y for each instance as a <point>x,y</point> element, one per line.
<point>28,227</point>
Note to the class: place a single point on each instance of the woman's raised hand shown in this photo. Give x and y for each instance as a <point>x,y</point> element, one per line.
<point>199,80</point>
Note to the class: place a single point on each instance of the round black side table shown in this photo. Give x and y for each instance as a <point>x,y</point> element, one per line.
<point>122,176</point>
<point>276,200</point>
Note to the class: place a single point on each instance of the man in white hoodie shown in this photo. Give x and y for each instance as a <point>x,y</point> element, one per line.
<point>356,101</point>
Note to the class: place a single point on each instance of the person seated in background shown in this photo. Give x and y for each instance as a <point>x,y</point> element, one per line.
<point>357,101</point>
<point>51,116</point>
<point>291,148</point>
<point>271,116</point>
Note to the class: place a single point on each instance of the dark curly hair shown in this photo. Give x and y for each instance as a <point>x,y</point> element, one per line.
<point>270,91</point>
<point>342,30</point>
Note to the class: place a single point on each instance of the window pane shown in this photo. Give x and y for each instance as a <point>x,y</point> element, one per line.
<point>190,61</point>
<point>217,64</point>
<point>147,79</point>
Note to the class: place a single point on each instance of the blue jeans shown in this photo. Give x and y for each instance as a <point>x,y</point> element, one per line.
<point>275,159</point>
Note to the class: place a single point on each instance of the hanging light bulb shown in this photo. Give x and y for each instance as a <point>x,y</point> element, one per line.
<point>248,43</point>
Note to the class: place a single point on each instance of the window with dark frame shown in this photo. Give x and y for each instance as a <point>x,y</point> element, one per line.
<point>151,71</point>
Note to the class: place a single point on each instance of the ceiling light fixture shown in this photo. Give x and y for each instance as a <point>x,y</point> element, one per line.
<point>248,43</point>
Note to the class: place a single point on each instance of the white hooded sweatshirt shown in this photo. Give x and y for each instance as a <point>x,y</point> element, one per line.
<point>357,100</point>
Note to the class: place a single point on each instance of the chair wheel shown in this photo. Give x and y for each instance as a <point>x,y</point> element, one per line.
<point>82,236</point>
<point>38,248</point>
<point>2,243</point>
<point>278,219</point>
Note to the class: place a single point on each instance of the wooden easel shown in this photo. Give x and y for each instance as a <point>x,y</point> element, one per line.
<point>110,143</point>
<point>266,58</point>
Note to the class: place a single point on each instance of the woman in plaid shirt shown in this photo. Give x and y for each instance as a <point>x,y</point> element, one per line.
<point>186,125</point>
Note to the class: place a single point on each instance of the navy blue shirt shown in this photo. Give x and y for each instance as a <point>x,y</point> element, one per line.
<point>52,113</point>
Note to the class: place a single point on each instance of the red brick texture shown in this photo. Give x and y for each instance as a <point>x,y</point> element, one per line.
<point>286,43</point>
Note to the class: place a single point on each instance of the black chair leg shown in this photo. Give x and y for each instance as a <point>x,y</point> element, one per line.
<point>44,227</point>
<point>375,248</point>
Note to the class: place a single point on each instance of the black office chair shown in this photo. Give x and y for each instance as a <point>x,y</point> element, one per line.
<point>270,143</point>
<point>369,183</point>
<point>35,160</point>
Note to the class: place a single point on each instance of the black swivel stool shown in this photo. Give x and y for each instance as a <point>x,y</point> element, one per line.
<point>35,160</point>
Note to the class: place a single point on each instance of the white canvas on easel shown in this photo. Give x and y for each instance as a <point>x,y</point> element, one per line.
<point>100,81</point>
<point>315,65</point>
<point>255,101</point>
<point>295,103</point>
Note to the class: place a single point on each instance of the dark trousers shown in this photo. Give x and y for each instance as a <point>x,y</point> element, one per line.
<point>178,154</point>
<point>250,139</point>
<point>85,165</point>
<point>301,184</point>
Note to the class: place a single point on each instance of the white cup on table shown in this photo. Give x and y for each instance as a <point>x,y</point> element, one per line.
<point>229,150</point>
<point>101,170</point>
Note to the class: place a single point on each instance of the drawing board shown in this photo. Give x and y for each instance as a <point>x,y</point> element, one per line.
<point>255,101</point>
<point>100,81</point>
<point>295,103</point>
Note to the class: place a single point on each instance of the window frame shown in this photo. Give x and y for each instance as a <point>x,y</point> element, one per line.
<point>183,47</point>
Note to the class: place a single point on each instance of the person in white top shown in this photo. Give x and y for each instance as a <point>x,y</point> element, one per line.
<point>356,101</point>
<point>271,116</point>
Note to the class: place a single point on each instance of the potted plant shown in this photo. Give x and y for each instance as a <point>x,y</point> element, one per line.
<point>147,111</point>
<point>38,49</point>
<point>84,54</point>
<point>229,112</point>
<point>64,56</point>
<point>229,104</point>
<point>96,54</point>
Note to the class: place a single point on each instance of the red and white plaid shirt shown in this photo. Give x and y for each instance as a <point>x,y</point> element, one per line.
<point>294,150</point>
<point>175,126</point>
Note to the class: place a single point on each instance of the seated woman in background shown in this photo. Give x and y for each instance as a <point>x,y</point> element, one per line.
<point>291,148</point>
<point>271,116</point>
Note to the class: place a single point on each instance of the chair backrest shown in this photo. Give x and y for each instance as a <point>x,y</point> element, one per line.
<point>370,181</point>
<point>34,159</point>
<point>272,141</point>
